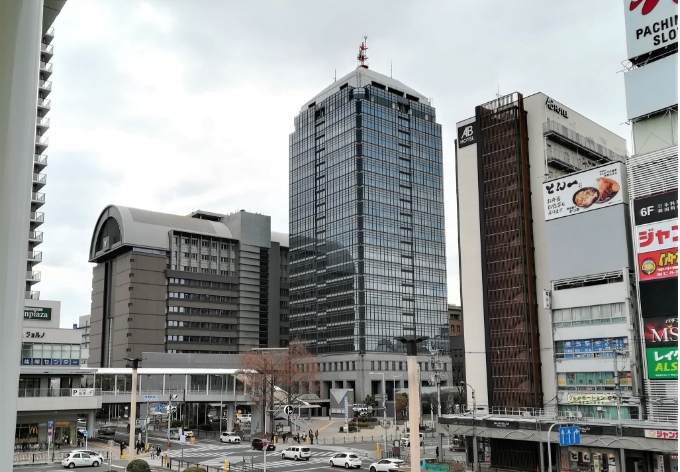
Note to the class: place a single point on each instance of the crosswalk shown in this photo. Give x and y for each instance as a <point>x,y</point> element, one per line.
<point>207,450</point>
<point>273,460</point>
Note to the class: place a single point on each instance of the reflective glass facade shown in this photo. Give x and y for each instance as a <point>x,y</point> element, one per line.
<point>367,247</point>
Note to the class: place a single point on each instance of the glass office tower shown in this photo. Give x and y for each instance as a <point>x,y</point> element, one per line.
<point>367,247</point>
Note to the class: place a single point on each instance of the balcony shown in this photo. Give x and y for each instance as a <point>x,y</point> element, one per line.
<point>38,199</point>
<point>37,218</point>
<point>49,36</point>
<point>59,399</point>
<point>583,145</point>
<point>32,277</point>
<point>41,122</point>
<point>44,103</point>
<point>35,236</point>
<point>47,50</point>
<point>567,162</point>
<point>45,87</point>
<point>34,256</point>
<point>46,69</point>
<point>39,160</point>
<point>31,295</point>
<point>39,180</point>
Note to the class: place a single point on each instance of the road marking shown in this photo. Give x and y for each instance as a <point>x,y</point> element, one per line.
<point>324,427</point>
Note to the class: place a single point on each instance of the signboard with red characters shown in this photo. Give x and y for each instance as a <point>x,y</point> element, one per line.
<point>661,331</point>
<point>657,265</point>
<point>659,434</point>
<point>650,25</point>
<point>657,236</point>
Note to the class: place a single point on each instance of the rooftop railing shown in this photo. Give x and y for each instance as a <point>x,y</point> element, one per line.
<point>585,143</point>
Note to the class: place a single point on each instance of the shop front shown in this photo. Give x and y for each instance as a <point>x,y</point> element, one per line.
<point>31,431</point>
<point>590,459</point>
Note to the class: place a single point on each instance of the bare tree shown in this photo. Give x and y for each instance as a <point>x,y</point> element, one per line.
<point>279,376</point>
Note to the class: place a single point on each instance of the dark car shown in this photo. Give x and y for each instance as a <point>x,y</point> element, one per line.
<point>106,431</point>
<point>258,444</point>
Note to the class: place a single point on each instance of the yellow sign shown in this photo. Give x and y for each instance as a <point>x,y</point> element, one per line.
<point>591,399</point>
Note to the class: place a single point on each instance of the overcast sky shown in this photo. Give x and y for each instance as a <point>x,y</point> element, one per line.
<point>176,106</point>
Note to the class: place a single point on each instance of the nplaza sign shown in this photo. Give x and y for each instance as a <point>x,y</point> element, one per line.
<point>37,313</point>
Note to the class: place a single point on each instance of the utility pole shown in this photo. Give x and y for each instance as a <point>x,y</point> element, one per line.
<point>436,378</point>
<point>474,417</point>
<point>133,403</point>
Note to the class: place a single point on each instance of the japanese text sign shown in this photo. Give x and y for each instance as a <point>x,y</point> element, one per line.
<point>657,236</point>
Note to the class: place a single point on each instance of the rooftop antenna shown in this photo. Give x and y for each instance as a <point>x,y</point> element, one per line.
<point>361,57</point>
<point>498,93</point>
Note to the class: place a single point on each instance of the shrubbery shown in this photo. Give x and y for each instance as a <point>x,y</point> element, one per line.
<point>194,469</point>
<point>205,427</point>
<point>138,465</point>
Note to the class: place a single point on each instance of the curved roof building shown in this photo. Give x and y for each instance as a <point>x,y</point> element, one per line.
<point>200,283</point>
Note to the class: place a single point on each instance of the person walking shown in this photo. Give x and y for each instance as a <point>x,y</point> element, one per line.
<point>122,448</point>
<point>316,434</point>
<point>158,451</point>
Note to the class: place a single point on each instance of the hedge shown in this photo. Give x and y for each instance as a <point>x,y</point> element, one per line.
<point>138,465</point>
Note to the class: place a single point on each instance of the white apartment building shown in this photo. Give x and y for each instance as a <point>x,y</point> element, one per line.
<point>39,178</point>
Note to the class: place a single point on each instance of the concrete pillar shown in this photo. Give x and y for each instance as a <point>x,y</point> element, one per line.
<point>475,454</point>
<point>90,423</point>
<point>231,416</point>
<point>413,412</point>
<point>20,33</point>
<point>540,453</point>
<point>621,466</point>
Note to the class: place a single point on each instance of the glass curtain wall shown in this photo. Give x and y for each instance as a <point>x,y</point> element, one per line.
<point>367,258</point>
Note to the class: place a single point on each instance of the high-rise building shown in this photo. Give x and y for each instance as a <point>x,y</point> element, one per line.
<point>367,218</point>
<point>39,178</point>
<point>203,283</point>
<point>546,268</point>
<point>651,80</point>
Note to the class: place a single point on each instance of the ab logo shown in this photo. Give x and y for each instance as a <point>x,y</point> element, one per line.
<point>466,135</point>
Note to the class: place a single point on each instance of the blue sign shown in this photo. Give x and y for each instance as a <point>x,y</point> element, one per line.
<point>159,407</point>
<point>85,432</point>
<point>570,436</point>
<point>50,423</point>
<point>143,429</point>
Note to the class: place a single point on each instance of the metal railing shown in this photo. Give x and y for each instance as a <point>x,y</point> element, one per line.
<point>565,159</point>
<point>46,66</point>
<point>32,295</point>
<point>572,136</point>
<point>46,84</point>
<point>52,392</point>
<point>37,216</point>
<point>38,197</point>
<point>34,256</point>
<point>47,48</point>
<point>50,32</point>
<point>40,121</point>
<point>44,102</point>
<point>40,159</point>
<point>35,235</point>
<point>35,276</point>
<point>42,140</point>
<point>39,178</point>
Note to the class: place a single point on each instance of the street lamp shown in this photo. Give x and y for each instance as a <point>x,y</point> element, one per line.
<point>133,403</point>
<point>384,404</point>
<point>411,344</point>
<point>474,415</point>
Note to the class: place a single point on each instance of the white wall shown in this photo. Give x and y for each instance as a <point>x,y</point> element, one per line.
<point>472,287</point>
<point>56,314</point>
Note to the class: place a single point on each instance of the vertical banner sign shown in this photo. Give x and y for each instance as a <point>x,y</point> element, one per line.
<point>346,408</point>
<point>50,428</point>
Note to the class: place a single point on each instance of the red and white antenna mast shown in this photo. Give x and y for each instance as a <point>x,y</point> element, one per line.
<point>362,57</point>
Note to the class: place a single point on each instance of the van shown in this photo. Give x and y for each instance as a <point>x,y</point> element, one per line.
<point>406,440</point>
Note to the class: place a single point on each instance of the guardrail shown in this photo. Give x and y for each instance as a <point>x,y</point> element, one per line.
<point>54,392</point>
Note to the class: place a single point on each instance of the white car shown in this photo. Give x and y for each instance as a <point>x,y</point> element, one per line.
<point>80,459</point>
<point>385,465</point>
<point>230,437</point>
<point>297,453</point>
<point>406,440</point>
<point>346,460</point>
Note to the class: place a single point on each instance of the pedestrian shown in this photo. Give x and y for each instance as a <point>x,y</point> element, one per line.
<point>436,452</point>
<point>158,451</point>
<point>316,433</point>
<point>122,448</point>
<point>311,439</point>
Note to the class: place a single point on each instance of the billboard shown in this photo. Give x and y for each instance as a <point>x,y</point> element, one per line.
<point>657,265</point>
<point>641,99</point>
<point>663,206</point>
<point>585,191</point>
<point>650,25</point>
<point>661,331</point>
<point>662,363</point>
<point>659,298</point>
<point>657,236</point>
<point>37,313</point>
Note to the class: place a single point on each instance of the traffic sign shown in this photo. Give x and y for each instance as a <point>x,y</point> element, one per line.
<point>150,398</point>
<point>143,429</point>
<point>570,436</point>
<point>288,409</point>
<point>160,407</point>
<point>50,427</point>
<point>85,432</point>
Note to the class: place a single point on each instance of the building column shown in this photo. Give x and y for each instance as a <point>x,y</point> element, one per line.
<point>20,33</point>
<point>622,460</point>
<point>231,416</point>
<point>90,423</point>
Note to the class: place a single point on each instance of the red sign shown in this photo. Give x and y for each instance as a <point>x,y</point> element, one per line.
<point>657,265</point>
<point>659,434</point>
<point>661,331</point>
<point>657,236</point>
